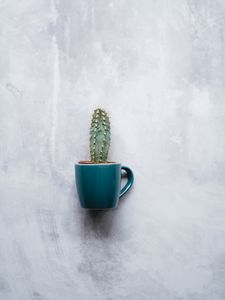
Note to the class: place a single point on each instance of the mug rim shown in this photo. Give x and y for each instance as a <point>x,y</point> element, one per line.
<point>98,164</point>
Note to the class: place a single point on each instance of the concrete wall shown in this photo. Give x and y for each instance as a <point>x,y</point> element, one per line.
<point>158,68</point>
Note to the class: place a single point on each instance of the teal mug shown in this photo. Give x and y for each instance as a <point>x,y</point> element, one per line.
<point>99,185</point>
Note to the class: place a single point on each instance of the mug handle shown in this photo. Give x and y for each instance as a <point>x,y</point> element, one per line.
<point>130,178</point>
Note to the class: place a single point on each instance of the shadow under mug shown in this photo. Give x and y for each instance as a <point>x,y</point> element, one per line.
<point>99,185</point>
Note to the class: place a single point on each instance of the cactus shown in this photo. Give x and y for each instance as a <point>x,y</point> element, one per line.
<point>99,136</point>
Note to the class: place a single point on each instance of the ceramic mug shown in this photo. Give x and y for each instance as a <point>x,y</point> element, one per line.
<point>99,185</point>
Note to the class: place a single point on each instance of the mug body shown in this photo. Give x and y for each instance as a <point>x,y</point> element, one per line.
<point>98,185</point>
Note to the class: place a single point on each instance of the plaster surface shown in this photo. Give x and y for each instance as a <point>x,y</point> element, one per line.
<point>158,68</point>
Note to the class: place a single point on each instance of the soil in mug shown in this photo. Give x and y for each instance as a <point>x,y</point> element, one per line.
<point>87,162</point>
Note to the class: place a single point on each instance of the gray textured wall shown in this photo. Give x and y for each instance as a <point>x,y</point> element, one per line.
<point>158,68</point>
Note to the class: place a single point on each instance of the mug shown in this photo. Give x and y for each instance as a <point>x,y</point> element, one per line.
<point>99,185</point>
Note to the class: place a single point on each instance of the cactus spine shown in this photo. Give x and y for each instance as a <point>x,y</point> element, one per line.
<point>99,136</point>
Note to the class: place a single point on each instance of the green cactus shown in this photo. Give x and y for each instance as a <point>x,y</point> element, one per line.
<point>99,136</point>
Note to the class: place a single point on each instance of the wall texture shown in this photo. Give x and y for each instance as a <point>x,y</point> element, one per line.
<point>158,68</point>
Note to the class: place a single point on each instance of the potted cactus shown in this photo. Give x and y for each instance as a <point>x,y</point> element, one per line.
<point>98,180</point>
